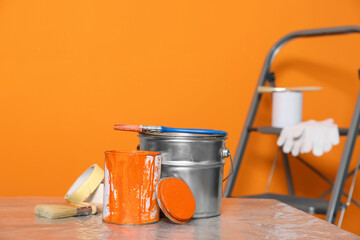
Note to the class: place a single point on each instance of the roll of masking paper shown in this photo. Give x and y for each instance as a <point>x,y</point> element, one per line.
<point>286,108</point>
<point>98,195</point>
<point>85,185</point>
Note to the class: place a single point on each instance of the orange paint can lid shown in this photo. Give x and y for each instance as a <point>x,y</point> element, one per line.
<point>175,199</point>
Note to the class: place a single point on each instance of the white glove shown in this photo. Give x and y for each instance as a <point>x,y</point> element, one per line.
<point>310,135</point>
<point>288,141</point>
<point>319,136</point>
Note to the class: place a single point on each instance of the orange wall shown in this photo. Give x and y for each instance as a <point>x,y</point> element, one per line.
<point>69,70</point>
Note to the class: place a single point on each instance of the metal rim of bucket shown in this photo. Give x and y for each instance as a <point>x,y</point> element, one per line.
<point>185,136</point>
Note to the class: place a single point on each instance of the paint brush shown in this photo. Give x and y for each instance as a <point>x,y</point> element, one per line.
<point>161,129</point>
<point>65,210</point>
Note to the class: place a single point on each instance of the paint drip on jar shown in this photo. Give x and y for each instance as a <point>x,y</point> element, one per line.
<point>130,183</point>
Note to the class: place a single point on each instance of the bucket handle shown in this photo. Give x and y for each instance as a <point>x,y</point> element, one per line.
<point>232,169</point>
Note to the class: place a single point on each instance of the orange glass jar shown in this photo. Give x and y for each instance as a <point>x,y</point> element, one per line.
<point>130,183</point>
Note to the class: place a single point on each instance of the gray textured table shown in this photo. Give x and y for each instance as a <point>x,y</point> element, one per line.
<point>240,219</point>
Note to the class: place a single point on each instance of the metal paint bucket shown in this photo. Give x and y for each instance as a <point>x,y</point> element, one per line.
<point>129,191</point>
<point>198,160</point>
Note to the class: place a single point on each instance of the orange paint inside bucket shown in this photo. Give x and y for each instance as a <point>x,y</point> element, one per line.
<point>130,183</point>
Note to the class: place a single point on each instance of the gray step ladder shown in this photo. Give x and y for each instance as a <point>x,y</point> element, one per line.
<point>331,207</point>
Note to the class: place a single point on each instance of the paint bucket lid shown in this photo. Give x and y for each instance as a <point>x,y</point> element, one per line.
<point>175,199</point>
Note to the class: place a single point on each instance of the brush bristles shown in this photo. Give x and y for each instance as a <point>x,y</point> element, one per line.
<point>127,127</point>
<point>65,210</point>
<point>55,211</point>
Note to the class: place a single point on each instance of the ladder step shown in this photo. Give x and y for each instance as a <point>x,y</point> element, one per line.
<point>274,130</point>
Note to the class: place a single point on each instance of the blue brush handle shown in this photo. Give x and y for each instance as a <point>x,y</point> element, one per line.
<point>191,130</point>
